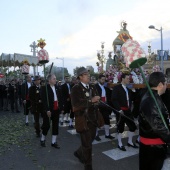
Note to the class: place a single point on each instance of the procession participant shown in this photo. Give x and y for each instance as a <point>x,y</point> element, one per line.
<point>122,101</point>
<point>6,96</point>
<point>25,97</point>
<point>166,99</point>
<point>93,80</point>
<point>19,92</point>
<point>153,128</point>
<point>84,99</point>
<point>36,103</point>
<point>65,88</point>
<point>1,94</point>
<point>72,83</point>
<point>52,106</point>
<point>13,96</point>
<point>105,95</point>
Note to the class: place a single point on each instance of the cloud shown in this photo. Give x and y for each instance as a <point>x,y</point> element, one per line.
<point>85,43</point>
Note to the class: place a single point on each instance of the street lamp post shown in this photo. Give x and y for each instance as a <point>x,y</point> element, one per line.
<point>63,66</point>
<point>153,27</point>
<point>33,49</point>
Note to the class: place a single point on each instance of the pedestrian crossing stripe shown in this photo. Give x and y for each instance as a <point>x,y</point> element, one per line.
<point>103,139</point>
<point>117,154</point>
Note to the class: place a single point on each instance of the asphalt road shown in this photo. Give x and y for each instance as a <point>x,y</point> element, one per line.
<point>20,149</point>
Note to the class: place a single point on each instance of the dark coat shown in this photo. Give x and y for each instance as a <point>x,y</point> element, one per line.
<point>80,101</point>
<point>102,107</point>
<point>13,91</point>
<point>119,97</point>
<point>35,97</point>
<point>24,91</point>
<point>166,99</point>
<point>66,97</point>
<point>50,100</point>
<point>150,123</point>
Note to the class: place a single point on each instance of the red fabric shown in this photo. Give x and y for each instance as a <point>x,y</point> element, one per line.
<point>148,141</point>
<point>27,97</point>
<point>103,99</point>
<point>124,108</point>
<point>55,105</point>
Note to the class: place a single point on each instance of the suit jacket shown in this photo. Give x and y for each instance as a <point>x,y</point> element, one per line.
<point>24,90</point>
<point>35,96</point>
<point>119,97</point>
<point>51,98</point>
<point>66,96</point>
<point>102,107</point>
<point>13,91</point>
<point>65,92</point>
<point>81,100</point>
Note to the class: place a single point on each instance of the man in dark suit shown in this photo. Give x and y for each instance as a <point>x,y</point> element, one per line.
<point>122,101</point>
<point>105,96</point>
<point>13,95</point>
<point>84,100</point>
<point>36,103</point>
<point>25,97</point>
<point>52,105</point>
<point>66,88</point>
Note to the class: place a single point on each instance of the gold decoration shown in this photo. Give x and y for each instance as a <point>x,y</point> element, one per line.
<point>41,43</point>
<point>25,62</point>
<point>123,68</point>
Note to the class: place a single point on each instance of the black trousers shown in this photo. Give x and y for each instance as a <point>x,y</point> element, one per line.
<point>27,107</point>
<point>46,123</point>
<point>106,117</point>
<point>85,150</point>
<point>14,103</point>
<point>121,120</point>
<point>151,157</point>
<point>36,122</point>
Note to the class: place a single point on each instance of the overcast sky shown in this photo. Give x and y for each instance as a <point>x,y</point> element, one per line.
<point>74,29</point>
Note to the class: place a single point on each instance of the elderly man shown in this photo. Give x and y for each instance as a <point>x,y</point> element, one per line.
<point>84,100</point>
<point>52,105</point>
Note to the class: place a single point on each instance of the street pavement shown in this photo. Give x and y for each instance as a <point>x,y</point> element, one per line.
<point>20,148</point>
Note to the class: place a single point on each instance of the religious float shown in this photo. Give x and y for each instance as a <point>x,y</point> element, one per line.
<point>126,50</point>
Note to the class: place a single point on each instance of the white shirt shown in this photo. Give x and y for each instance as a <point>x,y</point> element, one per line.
<point>127,95</point>
<point>103,90</point>
<point>85,85</point>
<point>68,88</point>
<point>29,85</point>
<point>55,95</point>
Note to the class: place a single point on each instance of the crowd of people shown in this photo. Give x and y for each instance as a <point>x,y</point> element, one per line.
<point>90,102</point>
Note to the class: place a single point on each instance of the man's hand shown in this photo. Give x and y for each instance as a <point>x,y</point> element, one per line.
<point>48,113</point>
<point>121,112</point>
<point>95,99</point>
